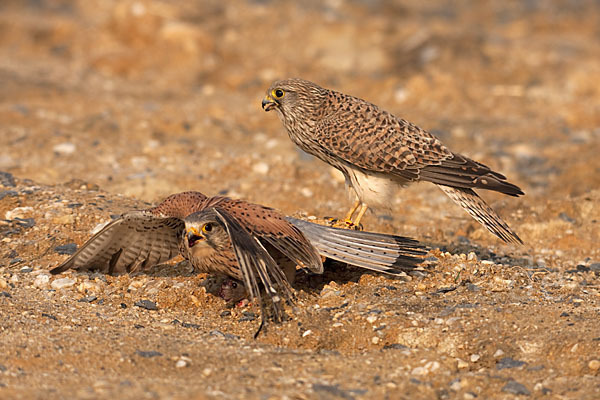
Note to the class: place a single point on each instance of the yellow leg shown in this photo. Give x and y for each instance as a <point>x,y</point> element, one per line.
<point>352,210</point>
<point>363,210</point>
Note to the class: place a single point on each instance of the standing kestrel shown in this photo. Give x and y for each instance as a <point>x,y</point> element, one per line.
<point>377,151</point>
<point>247,242</point>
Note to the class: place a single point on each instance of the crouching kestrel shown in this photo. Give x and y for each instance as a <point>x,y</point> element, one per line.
<point>247,242</point>
<point>377,151</point>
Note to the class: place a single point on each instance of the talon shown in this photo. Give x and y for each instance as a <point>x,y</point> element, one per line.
<point>353,226</point>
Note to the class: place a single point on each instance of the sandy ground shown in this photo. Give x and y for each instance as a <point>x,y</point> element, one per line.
<point>106,106</point>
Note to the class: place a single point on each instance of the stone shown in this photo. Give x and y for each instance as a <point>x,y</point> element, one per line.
<point>18,212</point>
<point>65,148</point>
<point>63,283</point>
<point>508,362</point>
<point>68,249</point>
<point>41,280</point>
<point>7,179</point>
<point>148,354</point>
<point>515,387</point>
<point>147,304</point>
<point>261,168</point>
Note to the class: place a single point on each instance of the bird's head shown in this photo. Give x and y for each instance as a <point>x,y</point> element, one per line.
<point>292,96</point>
<point>204,231</point>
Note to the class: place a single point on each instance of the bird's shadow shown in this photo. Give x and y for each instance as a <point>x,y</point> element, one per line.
<point>340,273</point>
<point>463,245</point>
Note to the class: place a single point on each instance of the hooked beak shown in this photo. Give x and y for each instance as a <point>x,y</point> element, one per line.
<point>193,237</point>
<point>268,103</point>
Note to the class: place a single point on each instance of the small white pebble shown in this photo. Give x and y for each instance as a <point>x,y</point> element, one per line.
<point>306,192</point>
<point>432,366</point>
<point>271,143</point>
<point>62,283</point>
<point>456,385</point>
<point>498,353</point>
<point>261,168</point>
<point>374,340</point>
<point>419,371</point>
<point>472,256</point>
<point>574,348</point>
<point>65,148</point>
<point>88,286</point>
<point>400,95</point>
<point>487,262</point>
<point>306,333</point>
<point>460,364</point>
<point>181,363</point>
<point>41,280</point>
<point>538,386</point>
<point>371,319</point>
<point>594,365</point>
<point>475,357</point>
<point>135,285</point>
<point>18,212</point>
<point>206,371</point>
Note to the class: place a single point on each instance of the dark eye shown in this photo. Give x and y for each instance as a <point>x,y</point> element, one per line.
<point>207,227</point>
<point>278,93</point>
<point>234,284</point>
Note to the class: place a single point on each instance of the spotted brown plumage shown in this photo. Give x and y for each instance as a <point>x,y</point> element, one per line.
<point>248,242</point>
<point>377,151</point>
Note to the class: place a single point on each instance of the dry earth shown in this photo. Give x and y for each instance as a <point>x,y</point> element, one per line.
<point>111,105</point>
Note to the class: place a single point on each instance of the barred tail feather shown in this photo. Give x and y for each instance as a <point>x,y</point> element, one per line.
<point>375,251</point>
<point>474,205</point>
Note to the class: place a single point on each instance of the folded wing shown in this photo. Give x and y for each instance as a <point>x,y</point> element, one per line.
<point>256,264</point>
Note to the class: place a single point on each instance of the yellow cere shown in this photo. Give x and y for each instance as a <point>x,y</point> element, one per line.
<point>194,231</point>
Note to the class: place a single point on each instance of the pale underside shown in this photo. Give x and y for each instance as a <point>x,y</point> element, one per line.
<point>373,188</point>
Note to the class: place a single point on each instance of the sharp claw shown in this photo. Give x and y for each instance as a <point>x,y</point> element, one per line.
<point>352,225</point>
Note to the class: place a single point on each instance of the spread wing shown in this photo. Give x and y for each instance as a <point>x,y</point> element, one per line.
<point>360,134</point>
<point>135,241</point>
<point>256,264</point>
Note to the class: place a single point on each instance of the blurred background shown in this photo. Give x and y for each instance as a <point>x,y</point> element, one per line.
<point>147,98</point>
